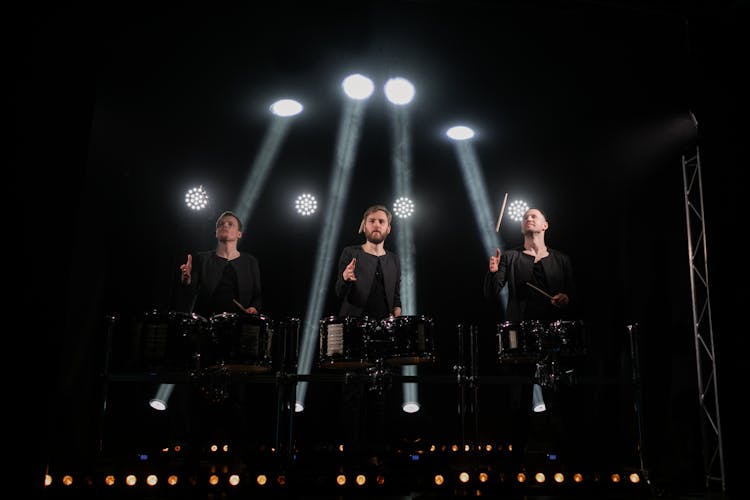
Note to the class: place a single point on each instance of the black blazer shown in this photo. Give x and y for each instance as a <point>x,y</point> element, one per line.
<point>354,294</point>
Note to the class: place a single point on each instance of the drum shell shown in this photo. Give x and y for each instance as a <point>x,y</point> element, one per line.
<point>413,339</point>
<point>171,340</point>
<point>520,341</point>
<point>241,342</point>
<point>343,342</point>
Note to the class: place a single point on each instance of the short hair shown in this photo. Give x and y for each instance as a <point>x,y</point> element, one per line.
<point>538,210</point>
<point>232,214</point>
<point>371,209</point>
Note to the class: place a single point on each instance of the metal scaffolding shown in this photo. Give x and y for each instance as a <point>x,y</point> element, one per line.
<point>708,396</point>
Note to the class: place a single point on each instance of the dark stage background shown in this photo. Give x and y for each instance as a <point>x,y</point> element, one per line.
<point>583,108</point>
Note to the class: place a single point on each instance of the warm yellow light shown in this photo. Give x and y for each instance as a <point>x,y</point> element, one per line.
<point>454,447</point>
<point>521,477</point>
<point>488,447</point>
<point>634,478</point>
<point>213,448</point>
<point>463,477</point>
<point>341,480</point>
<point>483,477</point>
<point>213,479</point>
<point>341,447</point>
<point>439,479</point>
<point>578,477</point>
<point>281,480</point>
<point>467,447</point>
<point>47,480</point>
<point>261,479</point>
<point>172,480</point>
<point>67,480</point>
<point>616,478</point>
<point>151,480</point>
<point>234,479</point>
<point>380,480</point>
<point>432,447</point>
<point>109,480</point>
<point>360,479</point>
<point>559,478</point>
<point>131,480</point>
<point>540,477</point>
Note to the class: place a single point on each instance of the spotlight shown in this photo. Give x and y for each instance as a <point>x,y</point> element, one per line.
<point>410,407</point>
<point>159,402</point>
<point>358,86</point>
<point>516,209</point>
<point>299,407</point>
<point>403,207</point>
<point>537,401</point>
<point>286,107</point>
<point>196,198</point>
<point>399,90</point>
<point>460,133</point>
<point>306,204</point>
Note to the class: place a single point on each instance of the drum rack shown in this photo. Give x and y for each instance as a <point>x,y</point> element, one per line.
<point>465,377</point>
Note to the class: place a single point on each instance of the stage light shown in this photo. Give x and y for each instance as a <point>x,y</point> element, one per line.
<point>152,480</point>
<point>299,407</point>
<point>439,479</point>
<point>341,480</point>
<point>483,477</point>
<point>460,133</point>
<point>109,480</point>
<point>516,209</point>
<point>261,479</point>
<point>196,198</point>
<point>577,477</point>
<point>559,477</point>
<point>537,401</point>
<point>463,477</point>
<point>131,480</point>
<point>67,480</point>
<point>286,107</point>
<point>380,480</point>
<point>159,402</point>
<point>399,91</point>
<point>358,86</point>
<point>403,207</point>
<point>615,478</point>
<point>410,407</point>
<point>234,479</point>
<point>540,477</point>
<point>634,478</point>
<point>521,477</point>
<point>360,479</point>
<point>306,204</point>
<point>47,480</point>
<point>213,479</point>
<point>172,480</point>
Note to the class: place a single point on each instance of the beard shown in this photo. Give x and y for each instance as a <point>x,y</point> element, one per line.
<point>375,237</point>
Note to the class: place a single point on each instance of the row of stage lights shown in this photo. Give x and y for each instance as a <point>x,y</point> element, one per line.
<point>218,474</point>
<point>306,204</point>
<point>213,479</point>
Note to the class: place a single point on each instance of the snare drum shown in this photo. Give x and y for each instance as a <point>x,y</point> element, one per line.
<point>241,342</point>
<point>343,342</point>
<point>412,340</point>
<point>520,342</point>
<point>172,339</point>
<point>567,338</point>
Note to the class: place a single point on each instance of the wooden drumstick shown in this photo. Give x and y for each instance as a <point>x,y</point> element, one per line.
<point>239,305</point>
<point>540,290</point>
<point>502,210</point>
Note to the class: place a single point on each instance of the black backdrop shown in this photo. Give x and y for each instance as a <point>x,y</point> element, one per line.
<point>583,108</point>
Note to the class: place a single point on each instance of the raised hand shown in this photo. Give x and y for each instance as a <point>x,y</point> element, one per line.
<point>348,273</point>
<point>495,261</point>
<point>187,269</point>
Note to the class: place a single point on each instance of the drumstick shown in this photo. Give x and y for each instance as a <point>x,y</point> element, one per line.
<point>502,209</point>
<point>540,290</point>
<point>238,304</point>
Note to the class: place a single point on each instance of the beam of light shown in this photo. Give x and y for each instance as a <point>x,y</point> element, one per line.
<point>348,138</point>
<point>401,164</point>
<point>399,91</point>
<point>477,192</point>
<point>261,167</point>
<point>160,401</point>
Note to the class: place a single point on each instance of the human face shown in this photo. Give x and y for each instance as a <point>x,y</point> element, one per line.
<point>377,227</point>
<point>228,229</point>
<point>533,222</point>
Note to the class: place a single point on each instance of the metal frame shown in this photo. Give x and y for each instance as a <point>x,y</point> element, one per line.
<point>708,394</point>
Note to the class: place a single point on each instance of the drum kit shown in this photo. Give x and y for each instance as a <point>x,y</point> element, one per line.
<point>242,343</point>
